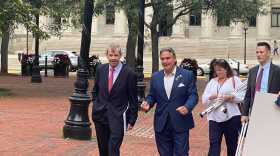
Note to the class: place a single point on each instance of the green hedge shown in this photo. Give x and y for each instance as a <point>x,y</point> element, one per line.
<point>4,92</point>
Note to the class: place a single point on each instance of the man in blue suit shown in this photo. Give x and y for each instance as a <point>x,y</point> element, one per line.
<point>174,91</point>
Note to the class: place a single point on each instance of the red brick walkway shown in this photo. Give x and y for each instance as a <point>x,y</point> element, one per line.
<point>31,122</point>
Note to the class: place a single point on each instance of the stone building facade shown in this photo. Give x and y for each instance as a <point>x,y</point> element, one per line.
<point>197,35</point>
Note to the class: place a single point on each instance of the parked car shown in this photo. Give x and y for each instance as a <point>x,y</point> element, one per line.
<point>203,69</point>
<point>243,68</point>
<point>50,58</point>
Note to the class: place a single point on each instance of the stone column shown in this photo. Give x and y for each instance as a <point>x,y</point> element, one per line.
<point>95,22</point>
<point>101,24</point>
<point>236,29</point>
<point>187,26</point>
<point>43,21</point>
<point>178,29</point>
<point>207,24</point>
<point>235,42</point>
<point>120,26</point>
<point>264,23</point>
<point>95,25</point>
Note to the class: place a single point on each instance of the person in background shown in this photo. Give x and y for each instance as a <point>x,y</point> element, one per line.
<point>190,65</point>
<point>275,47</point>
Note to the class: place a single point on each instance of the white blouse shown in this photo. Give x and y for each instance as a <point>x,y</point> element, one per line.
<point>213,87</point>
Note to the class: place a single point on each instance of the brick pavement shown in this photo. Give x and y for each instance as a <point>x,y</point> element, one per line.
<point>31,122</point>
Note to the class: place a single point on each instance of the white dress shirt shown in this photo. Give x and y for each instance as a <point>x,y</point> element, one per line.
<point>213,87</point>
<point>168,82</point>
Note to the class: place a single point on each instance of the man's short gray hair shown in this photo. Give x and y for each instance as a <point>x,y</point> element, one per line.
<point>114,48</point>
<point>168,49</point>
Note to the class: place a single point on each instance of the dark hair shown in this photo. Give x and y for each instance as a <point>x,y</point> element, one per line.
<point>265,44</point>
<point>224,64</point>
<point>190,65</point>
<point>211,69</point>
<point>168,49</point>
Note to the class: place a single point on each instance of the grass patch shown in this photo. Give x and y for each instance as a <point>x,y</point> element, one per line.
<point>4,92</point>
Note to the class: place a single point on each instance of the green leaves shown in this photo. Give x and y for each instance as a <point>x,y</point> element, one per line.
<point>237,10</point>
<point>67,13</point>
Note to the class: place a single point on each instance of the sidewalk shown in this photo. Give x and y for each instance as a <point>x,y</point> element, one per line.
<point>31,122</point>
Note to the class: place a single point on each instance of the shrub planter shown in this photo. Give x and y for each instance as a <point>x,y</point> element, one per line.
<point>26,62</point>
<point>94,61</point>
<point>61,65</point>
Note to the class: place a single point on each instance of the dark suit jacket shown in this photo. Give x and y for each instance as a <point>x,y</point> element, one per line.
<point>113,104</point>
<point>273,85</point>
<point>184,93</point>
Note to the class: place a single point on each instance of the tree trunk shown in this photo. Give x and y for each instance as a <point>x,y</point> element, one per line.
<point>130,49</point>
<point>4,50</point>
<point>131,41</point>
<point>155,56</point>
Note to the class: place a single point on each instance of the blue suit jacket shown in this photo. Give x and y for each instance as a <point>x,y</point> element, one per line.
<point>184,93</point>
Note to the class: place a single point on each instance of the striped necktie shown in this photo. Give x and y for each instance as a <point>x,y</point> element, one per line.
<point>259,80</point>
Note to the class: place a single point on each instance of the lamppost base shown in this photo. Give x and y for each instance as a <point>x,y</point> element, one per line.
<point>36,76</point>
<point>77,124</point>
<point>140,84</point>
<point>77,132</point>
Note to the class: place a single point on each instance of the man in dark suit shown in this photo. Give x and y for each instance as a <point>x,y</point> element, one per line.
<point>264,77</point>
<point>174,91</point>
<point>113,93</point>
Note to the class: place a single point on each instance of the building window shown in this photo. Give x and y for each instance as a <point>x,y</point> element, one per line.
<point>163,30</point>
<point>222,21</point>
<point>55,24</point>
<point>195,18</point>
<point>110,14</point>
<point>166,21</point>
<point>252,21</point>
<point>275,17</point>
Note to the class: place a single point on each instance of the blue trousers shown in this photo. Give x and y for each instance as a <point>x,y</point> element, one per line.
<point>230,130</point>
<point>172,143</point>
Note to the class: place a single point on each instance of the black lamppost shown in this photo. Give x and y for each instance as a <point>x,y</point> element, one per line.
<point>77,124</point>
<point>140,49</point>
<point>36,76</point>
<point>27,40</point>
<point>245,39</point>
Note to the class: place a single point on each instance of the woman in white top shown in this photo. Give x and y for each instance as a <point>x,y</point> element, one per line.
<point>227,121</point>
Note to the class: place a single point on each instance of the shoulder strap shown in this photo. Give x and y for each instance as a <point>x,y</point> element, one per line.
<point>233,82</point>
